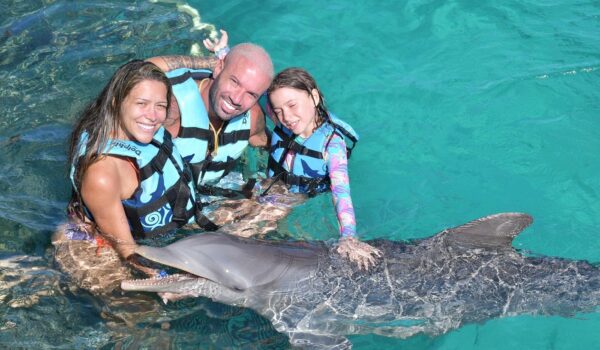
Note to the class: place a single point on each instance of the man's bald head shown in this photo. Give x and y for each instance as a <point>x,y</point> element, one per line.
<point>254,54</point>
<point>239,81</point>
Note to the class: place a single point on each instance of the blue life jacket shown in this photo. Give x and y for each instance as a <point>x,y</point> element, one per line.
<point>164,200</point>
<point>309,172</point>
<point>195,137</point>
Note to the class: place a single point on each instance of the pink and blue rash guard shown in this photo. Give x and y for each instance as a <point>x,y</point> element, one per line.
<point>337,163</point>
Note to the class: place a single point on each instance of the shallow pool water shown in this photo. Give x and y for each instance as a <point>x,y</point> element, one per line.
<point>464,108</point>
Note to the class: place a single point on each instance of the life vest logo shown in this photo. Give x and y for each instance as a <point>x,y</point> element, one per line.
<point>127,146</point>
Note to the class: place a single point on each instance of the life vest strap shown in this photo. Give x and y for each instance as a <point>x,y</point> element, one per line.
<point>297,180</point>
<point>198,169</point>
<point>202,220</point>
<point>157,164</point>
<point>234,136</point>
<point>170,197</point>
<point>344,134</point>
<point>138,231</point>
<point>298,148</point>
<point>177,196</point>
<point>244,192</point>
<point>189,74</point>
<point>193,132</point>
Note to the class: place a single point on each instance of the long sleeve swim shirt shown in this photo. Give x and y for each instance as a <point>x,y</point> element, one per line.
<point>337,163</point>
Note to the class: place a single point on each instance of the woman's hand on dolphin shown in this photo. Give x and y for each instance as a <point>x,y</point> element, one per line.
<point>218,46</point>
<point>359,252</point>
<point>138,263</point>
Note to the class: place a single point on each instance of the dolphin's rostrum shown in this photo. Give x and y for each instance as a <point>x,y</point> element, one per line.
<point>467,274</point>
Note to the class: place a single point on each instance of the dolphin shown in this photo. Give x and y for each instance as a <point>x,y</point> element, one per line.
<point>466,274</point>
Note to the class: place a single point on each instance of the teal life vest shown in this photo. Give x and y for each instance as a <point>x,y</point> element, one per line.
<point>195,137</point>
<point>309,172</point>
<point>165,199</point>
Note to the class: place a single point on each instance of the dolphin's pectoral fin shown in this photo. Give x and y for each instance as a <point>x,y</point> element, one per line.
<point>318,341</point>
<point>494,231</point>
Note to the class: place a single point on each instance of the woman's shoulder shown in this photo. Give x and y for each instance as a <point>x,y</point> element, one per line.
<point>109,174</point>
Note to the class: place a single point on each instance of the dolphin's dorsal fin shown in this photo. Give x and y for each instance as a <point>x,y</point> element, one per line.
<point>494,231</point>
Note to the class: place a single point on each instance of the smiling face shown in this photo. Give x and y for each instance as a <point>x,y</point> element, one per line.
<point>237,86</point>
<point>295,109</point>
<point>143,111</point>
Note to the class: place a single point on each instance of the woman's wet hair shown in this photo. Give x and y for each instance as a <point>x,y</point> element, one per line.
<point>300,79</point>
<point>101,118</point>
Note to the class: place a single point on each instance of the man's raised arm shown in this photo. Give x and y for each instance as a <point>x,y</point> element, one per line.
<point>169,63</point>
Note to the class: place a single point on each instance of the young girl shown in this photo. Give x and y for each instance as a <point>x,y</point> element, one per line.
<point>128,179</point>
<point>309,153</point>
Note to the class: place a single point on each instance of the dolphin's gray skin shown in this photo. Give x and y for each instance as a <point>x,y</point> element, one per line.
<point>462,275</point>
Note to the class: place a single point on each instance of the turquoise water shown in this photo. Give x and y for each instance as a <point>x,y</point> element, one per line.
<point>464,108</point>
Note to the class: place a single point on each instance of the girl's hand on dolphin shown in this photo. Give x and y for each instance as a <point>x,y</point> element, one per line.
<point>359,252</point>
<point>218,46</point>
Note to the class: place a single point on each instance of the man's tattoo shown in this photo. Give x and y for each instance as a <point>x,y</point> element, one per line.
<point>174,62</point>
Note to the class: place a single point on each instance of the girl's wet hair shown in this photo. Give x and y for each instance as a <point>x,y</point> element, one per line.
<point>101,118</point>
<point>300,79</point>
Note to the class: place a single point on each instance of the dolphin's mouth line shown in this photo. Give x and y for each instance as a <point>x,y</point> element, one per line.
<point>136,284</point>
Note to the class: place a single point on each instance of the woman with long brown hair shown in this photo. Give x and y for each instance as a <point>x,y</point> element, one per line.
<point>128,179</point>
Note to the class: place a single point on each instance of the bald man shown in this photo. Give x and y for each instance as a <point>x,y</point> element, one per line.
<point>215,114</point>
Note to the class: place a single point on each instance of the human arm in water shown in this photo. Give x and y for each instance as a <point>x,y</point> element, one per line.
<point>361,253</point>
<point>104,185</point>
<point>172,62</point>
